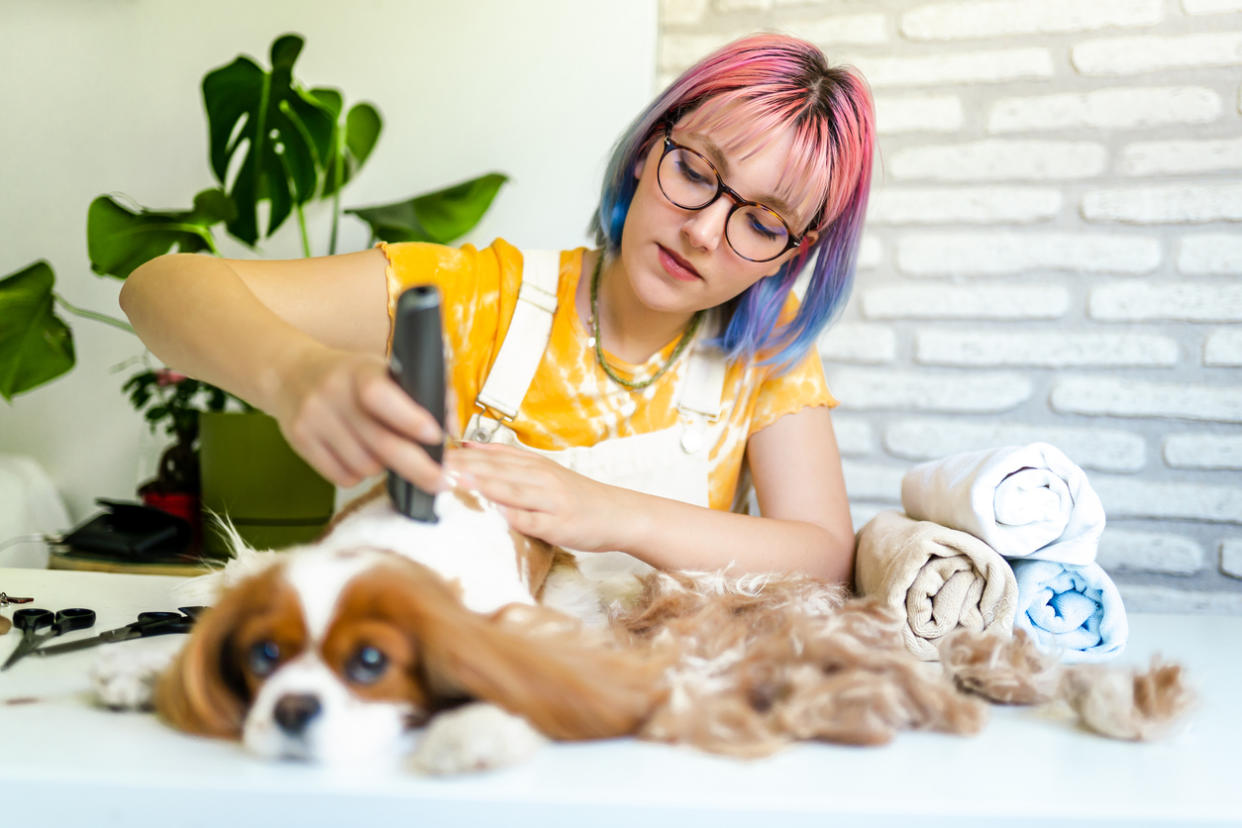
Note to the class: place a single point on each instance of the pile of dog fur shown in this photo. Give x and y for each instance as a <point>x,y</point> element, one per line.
<point>759,662</point>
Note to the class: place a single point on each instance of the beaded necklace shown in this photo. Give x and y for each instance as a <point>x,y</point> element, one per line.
<point>688,334</point>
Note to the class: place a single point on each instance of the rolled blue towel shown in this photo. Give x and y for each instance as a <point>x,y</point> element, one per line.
<point>1075,610</point>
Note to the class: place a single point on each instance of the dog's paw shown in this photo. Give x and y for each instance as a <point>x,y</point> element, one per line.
<point>123,678</point>
<point>476,737</point>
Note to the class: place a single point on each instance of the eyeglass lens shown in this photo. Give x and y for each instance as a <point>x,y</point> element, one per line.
<point>690,181</point>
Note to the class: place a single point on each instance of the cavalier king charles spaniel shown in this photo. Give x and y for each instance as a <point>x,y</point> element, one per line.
<point>344,649</point>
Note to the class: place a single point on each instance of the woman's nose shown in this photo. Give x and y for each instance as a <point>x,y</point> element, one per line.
<point>705,229</point>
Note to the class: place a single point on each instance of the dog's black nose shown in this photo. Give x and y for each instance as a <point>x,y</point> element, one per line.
<point>294,712</point>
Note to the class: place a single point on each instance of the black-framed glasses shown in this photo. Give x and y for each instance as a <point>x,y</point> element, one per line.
<point>755,231</point>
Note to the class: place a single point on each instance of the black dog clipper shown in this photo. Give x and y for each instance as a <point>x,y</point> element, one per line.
<point>417,364</point>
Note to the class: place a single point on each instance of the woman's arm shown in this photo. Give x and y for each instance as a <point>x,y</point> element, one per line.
<point>796,470</point>
<point>301,339</point>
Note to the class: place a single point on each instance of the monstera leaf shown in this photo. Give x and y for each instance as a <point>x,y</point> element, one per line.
<point>282,133</point>
<point>119,239</point>
<point>351,144</point>
<point>438,217</point>
<point>35,345</point>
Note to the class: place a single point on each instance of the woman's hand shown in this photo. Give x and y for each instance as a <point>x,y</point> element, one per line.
<point>541,498</point>
<point>346,416</point>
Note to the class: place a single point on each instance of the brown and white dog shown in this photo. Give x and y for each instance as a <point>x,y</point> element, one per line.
<point>338,650</point>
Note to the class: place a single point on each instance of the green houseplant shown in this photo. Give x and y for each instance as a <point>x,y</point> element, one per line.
<point>270,140</point>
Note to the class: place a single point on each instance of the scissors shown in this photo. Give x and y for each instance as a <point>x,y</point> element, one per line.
<point>30,621</point>
<point>148,624</point>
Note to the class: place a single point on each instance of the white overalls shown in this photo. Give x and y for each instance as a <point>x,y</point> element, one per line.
<point>672,462</point>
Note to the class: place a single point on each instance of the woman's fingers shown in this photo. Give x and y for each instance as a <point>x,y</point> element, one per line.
<point>323,459</point>
<point>507,476</point>
<point>381,398</point>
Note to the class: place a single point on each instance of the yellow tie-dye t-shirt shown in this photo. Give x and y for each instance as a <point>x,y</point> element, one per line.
<point>571,401</point>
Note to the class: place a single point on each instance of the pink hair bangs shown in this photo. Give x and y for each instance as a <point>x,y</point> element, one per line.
<point>762,97</point>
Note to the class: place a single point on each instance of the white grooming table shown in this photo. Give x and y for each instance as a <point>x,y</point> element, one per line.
<point>64,762</point>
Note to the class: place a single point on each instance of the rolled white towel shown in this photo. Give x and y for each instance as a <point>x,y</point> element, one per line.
<point>1024,501</point>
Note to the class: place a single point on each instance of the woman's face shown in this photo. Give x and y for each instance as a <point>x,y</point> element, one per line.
<point>678,260</point>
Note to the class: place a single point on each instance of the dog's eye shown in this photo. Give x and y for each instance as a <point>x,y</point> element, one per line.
<point>263,658</point>
<point>366,665</point>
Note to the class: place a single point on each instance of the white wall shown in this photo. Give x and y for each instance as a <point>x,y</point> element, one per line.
<point>102,97</point>
<point>1052,253</point>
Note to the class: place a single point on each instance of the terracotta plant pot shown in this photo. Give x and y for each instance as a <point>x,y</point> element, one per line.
<point>251,476</point>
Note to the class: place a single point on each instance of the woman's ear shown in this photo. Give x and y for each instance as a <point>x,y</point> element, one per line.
<point>650,147</point>
<point>803,248</point>
<point>640,163</point>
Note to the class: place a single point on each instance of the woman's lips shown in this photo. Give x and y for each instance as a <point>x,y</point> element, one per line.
<point>677,267</point>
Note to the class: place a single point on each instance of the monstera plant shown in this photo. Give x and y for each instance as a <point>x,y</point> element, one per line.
<point>270,140</point>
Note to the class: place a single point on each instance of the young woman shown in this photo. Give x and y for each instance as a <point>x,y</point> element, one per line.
<point>613,399</point>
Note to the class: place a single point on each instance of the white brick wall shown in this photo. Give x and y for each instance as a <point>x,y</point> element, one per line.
<point>855,342</point>
<point>924,391</point>
<point>995,66</point>
<point>1211,253</point>
<point>871,482</point>
<point>1203,451</point>
<point>1231,557</point>
<point>970,205</point>
<point>924,113</point>
<point>1042,300</point>
<point>1175,203</point>
<point>846,29</point>
<point>1127,497</point>
<point>1144,598</point>
<point>1135,55</point>
<point>998,160</point>
<point>1158,157</point>
<point>1149,552</point>
<point>949,21</point>
<point>1052,349</point>
<point>1106,109</point>
<point>1053,252</point>
<point>1211,6</point>
<point>1189,301</point>
<point>949,253</point>
<point>1131,398</point>
<point>1223,348</point>
<point>855,436</point>
<point>922,439</point>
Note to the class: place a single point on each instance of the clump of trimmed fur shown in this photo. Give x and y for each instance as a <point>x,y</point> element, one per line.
<point>767,660</point>
<point>1008,669</point>
<point>1128,704</point>
<point>1111,701</point>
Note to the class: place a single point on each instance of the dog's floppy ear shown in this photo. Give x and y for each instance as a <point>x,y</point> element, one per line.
<point>203,691</point>
<point>531,661</point>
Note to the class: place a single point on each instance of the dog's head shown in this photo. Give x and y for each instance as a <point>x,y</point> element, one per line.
<point>338,654</point>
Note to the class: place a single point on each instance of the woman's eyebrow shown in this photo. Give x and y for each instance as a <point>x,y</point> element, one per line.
<point>716,155</point>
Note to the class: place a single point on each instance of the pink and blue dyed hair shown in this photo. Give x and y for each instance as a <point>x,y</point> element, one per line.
<point>756,87</point>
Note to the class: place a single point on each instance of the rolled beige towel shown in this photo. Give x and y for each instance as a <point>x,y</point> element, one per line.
<point>940,579</point>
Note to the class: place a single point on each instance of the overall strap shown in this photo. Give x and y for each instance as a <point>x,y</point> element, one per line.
<point>703,386</point>
<point>528,334</point>
<point>698,397</point>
